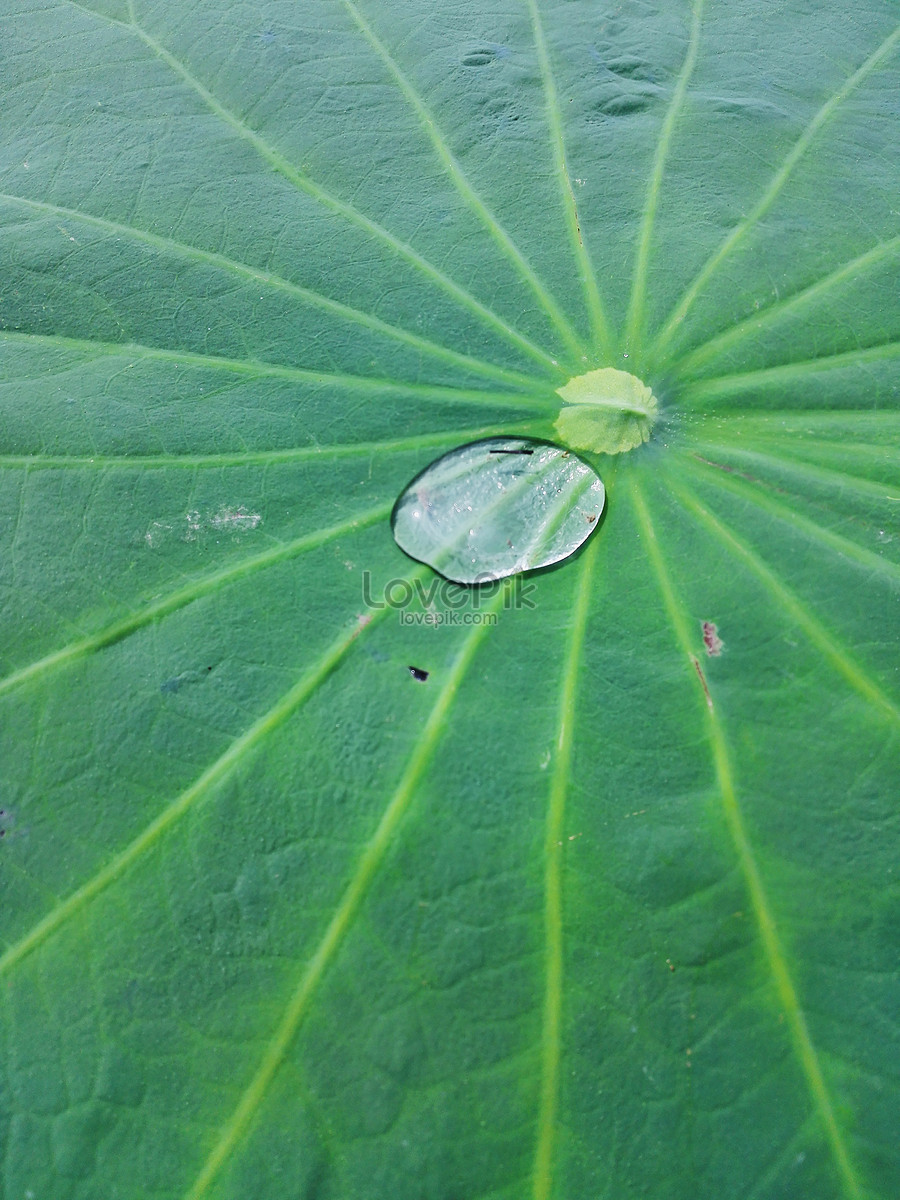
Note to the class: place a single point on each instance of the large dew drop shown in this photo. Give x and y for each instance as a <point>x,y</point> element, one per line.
<point>497,507</point>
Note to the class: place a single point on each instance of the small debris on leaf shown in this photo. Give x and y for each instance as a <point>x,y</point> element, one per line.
<point>711,640</point>
<point>418,674</point>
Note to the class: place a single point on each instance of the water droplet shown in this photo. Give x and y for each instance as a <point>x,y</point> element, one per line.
<point>497,507</point>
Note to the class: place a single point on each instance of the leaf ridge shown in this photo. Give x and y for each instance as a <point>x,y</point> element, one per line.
<point>255,457</point>
<point>634,321</point>
<point>198,791</point>
<point>834,652</point>
<point>783,372</point>
<point>323,196</point>
<point>758,320</point>
<point>826,475</point>
<point>254,368</point>
<point>268,279</point>
<point>570,207</point>
<point>773,190</point>
<point>185,595</point>
<point>542,1176</point>
<point>465,189</point>
<point>753,881</point>
<point>366,868</point>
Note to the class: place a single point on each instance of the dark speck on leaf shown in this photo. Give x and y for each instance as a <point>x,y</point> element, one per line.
<point>418,674</point>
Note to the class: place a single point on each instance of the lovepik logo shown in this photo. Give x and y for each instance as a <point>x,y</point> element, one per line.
<point>440,596</point>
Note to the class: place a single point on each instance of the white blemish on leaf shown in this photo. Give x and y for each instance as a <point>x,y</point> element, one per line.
<point>194,524</point>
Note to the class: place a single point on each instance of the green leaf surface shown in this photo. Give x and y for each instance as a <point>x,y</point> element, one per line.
<point>606,412</point>
<point>587,912</point>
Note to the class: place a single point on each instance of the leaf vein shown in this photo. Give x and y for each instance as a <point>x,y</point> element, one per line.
<point>366,868</point>
<point>774,189</point>
<point>753,881</point>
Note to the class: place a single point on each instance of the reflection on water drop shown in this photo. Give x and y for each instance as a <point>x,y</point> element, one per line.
<point>497,507</point>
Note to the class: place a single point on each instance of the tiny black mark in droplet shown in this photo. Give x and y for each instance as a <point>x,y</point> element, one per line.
<point>209,668</point>
<point>511,452</point>
<point>418,674</point>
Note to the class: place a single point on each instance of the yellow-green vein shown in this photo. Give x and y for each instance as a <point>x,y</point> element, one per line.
<point>256,369</point>
<point>835,481</point>
<point>753,881</point>
<point>268,279</point>
<point>347,211</point>
<point>189,799</point>
<point>465,189</point>
<point>805,427</point>
<point>573,225</point>
<point>366,867</point>
<point>788,372</point>
<point>772,192</point>
<point>551,1034</point>
<point>764,500</point>
<point>815,631</point>
<point>634,322</point>
<point>190,592</point>
<point>264,458</point>
<point>773,312</point>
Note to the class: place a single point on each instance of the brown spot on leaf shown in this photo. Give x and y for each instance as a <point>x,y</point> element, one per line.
<point>711,640</point>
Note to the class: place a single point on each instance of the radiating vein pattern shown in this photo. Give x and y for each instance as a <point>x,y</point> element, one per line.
<point>552,1049</point>
<point>345,210</point>
<point>839,657</point>
<point>797,151</point>
<point>634,322</point>
<point>579,249</point>
<point>773,313</point>
<point>334,307</point>
<point>310,893</point>
<point>756,889</point>
<point>190,798</point>
<point>455,172</point>
<point>367,866</point>
<point>179,597</point>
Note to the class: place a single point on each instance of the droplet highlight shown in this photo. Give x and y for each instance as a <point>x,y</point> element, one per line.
<point>498,507</point>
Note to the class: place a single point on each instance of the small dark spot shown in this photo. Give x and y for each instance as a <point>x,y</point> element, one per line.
<point>209,668</point>
<point>418,674</point>
<point>592,517</point>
